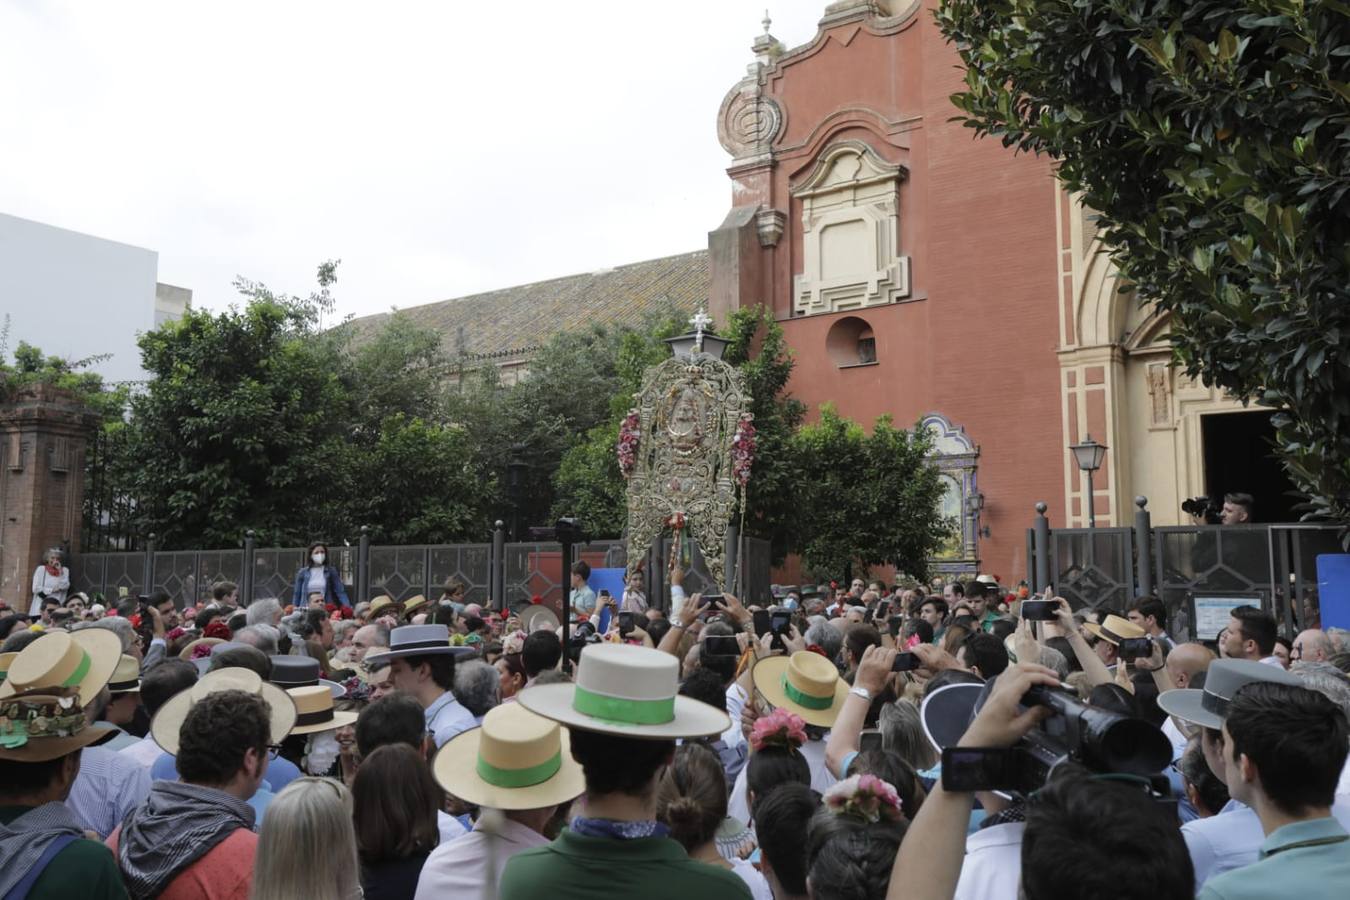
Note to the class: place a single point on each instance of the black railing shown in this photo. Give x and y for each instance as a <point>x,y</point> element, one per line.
<point>1272,566</point>
<point>498,574</point>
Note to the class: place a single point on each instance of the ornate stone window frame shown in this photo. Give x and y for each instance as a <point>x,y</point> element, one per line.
<point>956,457</point>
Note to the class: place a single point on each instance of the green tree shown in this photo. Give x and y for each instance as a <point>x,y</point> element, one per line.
<point>873,498</point>
<point>32,367</point>
<point>1213,137</point>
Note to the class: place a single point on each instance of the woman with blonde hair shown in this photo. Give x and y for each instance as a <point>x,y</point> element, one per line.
<point>307,845</point>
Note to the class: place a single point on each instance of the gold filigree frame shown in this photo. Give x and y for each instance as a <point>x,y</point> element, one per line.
<point>688,410</point>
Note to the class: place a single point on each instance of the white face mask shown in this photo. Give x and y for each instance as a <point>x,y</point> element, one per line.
<point>318,559</point>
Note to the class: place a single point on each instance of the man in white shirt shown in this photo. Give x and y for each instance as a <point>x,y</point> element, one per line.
<point>157,686</point>
<point>490,767</point>
<point>422,663</point>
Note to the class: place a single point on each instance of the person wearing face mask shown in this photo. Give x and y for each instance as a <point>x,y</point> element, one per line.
<point>318,577</point>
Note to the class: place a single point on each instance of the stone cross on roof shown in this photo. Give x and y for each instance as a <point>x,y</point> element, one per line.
<point>700,321</point>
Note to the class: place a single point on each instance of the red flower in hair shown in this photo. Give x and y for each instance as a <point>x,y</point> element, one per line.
<point>217,629</point>
<point>536,600</point>
<point>816,648</point>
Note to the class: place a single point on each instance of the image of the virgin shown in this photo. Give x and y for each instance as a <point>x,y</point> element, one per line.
<point>684,422</point>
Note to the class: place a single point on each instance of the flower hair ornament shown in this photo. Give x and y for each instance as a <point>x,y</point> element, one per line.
<point>866,797</point>
<point>779,728</point>
<point>513,642</point>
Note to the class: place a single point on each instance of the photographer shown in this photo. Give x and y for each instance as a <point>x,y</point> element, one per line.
<point>1066,853</point>
<point>1236,510</point>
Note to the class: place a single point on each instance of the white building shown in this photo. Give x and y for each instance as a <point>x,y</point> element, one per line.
<point>75,296</point>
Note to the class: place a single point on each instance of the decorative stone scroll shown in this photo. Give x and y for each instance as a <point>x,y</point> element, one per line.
<point>683,475</point>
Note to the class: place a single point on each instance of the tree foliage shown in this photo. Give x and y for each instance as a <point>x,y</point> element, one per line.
<point>873,498</point>
<point>32,367</point>
<point>1213,137</point>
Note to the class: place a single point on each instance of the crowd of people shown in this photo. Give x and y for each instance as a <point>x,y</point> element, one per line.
<point>835,742</point>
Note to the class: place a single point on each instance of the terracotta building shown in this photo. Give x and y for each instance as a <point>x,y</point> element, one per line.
<point>924,274</point>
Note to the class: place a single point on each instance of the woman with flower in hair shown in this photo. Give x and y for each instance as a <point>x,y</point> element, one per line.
<point>775,756</point>
<point>691,800</point>
<point>853,839</point>
<point>511,667</point>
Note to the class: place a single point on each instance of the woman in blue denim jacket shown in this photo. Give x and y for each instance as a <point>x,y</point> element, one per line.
<point>319,578</point>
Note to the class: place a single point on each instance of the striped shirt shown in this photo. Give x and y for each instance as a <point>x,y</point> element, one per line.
<point>108,787</point>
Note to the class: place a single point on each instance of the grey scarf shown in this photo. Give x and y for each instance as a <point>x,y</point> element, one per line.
<point>23,841</point>
<point>177,825</point>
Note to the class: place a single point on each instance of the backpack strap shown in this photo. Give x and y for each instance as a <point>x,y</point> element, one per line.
<point>20,890</point>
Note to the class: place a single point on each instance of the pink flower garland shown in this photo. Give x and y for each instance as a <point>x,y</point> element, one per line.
<point>866,797</point>
<point>743,449</point>
<point>779,728</point>
<point>630,432</point>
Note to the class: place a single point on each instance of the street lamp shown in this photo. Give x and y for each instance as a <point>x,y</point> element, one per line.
<point>517,470</point>
<point>1089,455</point>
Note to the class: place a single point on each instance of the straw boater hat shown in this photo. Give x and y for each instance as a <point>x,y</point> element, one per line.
<point>83,660</point>
<point>301,671</point>
<point>416,640</point>
<point>126,678</point>
<point>314,710</point>
<point>413,604</point>
<point>1223,679</point>
<point>5,660</point>
<point>516,760</point>
<point>44,719</point>
<point>537,617</point>
<point>1114,629</point>
<point>168,721</point>
<point>628,692</point>
<point>380,604</point>
<point>806,683</point>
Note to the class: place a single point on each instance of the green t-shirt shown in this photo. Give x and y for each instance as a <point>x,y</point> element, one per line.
<point>84,869</point>
<point>574,867</point>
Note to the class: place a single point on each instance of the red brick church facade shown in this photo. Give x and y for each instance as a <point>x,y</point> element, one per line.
<point>914,268</point>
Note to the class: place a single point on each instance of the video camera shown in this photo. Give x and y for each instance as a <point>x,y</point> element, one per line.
<point>1203,508</point>
<point>1100,740</point>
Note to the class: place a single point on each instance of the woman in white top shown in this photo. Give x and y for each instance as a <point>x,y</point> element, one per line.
<point>51,581</point>
<point>319,576</point>
<point>691,800</point>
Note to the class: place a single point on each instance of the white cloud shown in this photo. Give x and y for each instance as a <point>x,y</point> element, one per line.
<point>438,148</point>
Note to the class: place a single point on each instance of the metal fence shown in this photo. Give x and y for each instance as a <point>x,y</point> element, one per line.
<point>499,574</point>
<point>1272,566</point>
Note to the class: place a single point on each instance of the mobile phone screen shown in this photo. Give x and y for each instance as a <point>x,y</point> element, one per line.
<point>763,622</point>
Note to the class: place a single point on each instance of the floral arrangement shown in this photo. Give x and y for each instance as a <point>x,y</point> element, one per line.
<point>201,651</point>
<point>630,432</point>
<point>779,728</point>
<point>743,449</point>
<point>217,629</point>
<point>175,633</point>
<point>865,796</point>
<point>513,642</point>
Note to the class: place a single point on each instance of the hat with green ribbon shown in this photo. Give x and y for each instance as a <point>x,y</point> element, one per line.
<point>805,682</point>
<point>516,760</point>
<point>59,661</point>
<point>626,691</point>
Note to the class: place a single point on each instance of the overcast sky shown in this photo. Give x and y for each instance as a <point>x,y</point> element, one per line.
<point>437,148</point>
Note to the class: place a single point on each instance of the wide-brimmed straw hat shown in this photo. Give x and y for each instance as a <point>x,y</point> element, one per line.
<point>5,660</point>
<point>301,671</point>
<point>537,617</point>
<point>413,604</point>
<point>805,682</point>
<point>314,710</point>
<point>1223,679</point>
<point>626,691</point>
<point>38,726</point>
<point>1114,629</point>
<point>516,760</point>
<point>126,678</point>
<point>380,604</point>
<point>416,640</point>
<point>190,648</point>
<point>83,660</point>
<point>168,721</point>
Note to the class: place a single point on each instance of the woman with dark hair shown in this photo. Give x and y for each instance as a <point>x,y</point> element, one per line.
<point>319,576</point>
<point>691,800</point>
<point>852,840</point>
<point>775,756</point>
<point>394,808</point>
<point>512,671</point>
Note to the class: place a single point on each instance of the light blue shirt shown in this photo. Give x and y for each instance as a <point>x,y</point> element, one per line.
<point>280,771</point>
<point>583,598</point>
<point>1233,839</point>
<point>1308,860</point>
<point>108,787</point>
<point>447,718</point>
